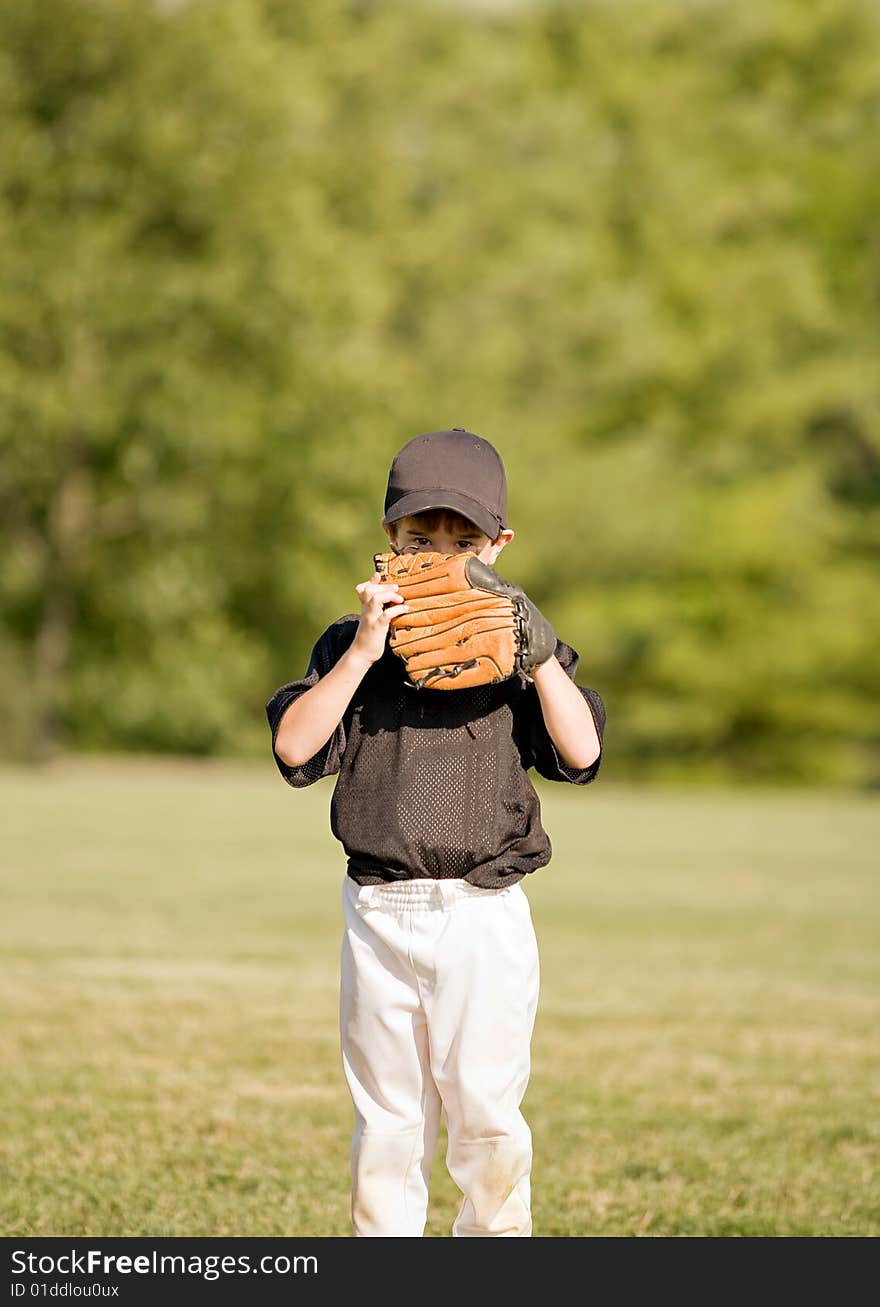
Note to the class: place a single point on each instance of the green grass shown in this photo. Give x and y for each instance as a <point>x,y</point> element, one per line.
<point>705,1056</point>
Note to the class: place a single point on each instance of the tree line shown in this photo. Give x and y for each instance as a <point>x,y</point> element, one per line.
<point>249,247</point>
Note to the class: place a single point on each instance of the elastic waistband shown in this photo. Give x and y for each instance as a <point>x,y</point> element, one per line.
<point>420,895</point>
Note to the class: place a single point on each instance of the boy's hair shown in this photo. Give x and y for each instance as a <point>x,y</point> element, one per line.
<point>434,518</point>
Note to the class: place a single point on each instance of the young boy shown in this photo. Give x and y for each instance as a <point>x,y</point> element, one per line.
<point>440,822</point>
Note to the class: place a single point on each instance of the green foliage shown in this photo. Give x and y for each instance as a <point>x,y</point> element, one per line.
<point>248,249</point>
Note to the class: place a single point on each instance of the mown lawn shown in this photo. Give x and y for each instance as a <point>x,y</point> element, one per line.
<point>706,1057</point>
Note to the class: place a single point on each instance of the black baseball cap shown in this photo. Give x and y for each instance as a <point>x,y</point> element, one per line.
<point>449,469</point>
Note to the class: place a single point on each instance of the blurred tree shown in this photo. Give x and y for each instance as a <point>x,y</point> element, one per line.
<point>249,247</point>
<point>155,338</point>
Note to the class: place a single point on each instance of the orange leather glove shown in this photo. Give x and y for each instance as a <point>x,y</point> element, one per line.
<point>465,626</point>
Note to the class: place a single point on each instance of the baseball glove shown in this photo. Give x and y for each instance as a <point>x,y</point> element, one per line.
<point>465,626</point>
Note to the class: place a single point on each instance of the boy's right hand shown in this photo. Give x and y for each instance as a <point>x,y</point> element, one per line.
<point>375,617</point>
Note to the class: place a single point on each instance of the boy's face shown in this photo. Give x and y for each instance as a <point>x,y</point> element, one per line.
<point>443,532</point>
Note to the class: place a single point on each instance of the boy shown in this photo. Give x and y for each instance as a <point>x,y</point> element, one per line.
<point>435,810</point>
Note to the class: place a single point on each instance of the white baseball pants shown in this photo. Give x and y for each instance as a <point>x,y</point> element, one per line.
<point>438,994</point>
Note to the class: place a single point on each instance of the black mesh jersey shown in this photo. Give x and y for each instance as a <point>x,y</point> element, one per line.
<point>434,783</point>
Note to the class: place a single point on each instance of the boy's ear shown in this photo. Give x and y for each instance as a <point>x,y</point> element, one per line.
<point>391,533</point>
<point>503,538</point>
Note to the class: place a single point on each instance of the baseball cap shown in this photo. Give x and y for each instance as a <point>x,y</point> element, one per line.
<point>449,469</point>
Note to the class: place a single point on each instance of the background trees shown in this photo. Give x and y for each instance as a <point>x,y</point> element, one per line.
<point>248,248</point>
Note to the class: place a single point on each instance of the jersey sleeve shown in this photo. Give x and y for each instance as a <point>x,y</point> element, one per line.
<point>542,753</point>
<point>326,653</point>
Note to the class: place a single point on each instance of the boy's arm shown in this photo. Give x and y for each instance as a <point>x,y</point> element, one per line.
<point>312,718</point>
<point>562,723</point>
<point>567,716</point>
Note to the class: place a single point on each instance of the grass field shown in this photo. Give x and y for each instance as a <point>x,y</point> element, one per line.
<point>706,1054</point>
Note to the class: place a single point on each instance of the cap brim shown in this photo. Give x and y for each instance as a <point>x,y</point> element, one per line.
<point>419,501</point>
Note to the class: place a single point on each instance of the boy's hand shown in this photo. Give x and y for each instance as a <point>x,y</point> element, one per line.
<point>379,603</point>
